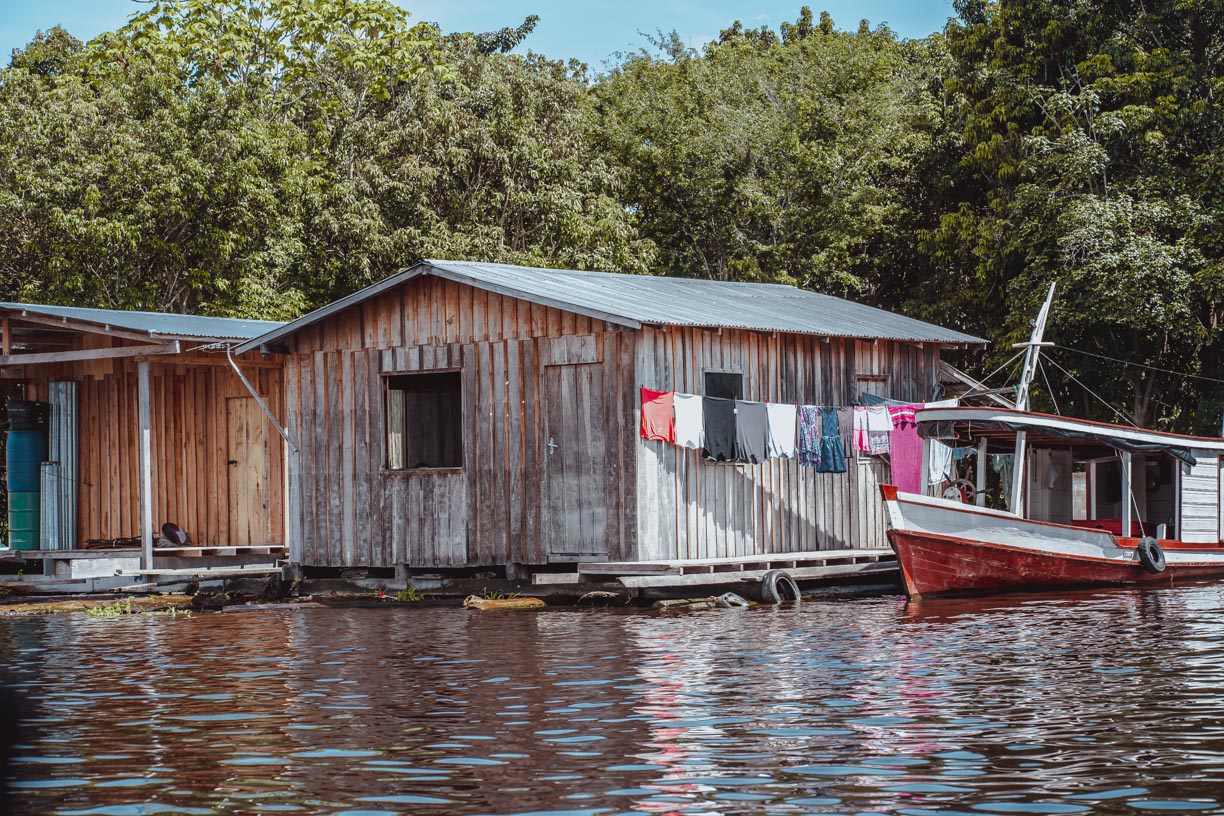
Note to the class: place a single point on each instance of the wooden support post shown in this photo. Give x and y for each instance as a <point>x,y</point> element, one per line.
<point>980,477</point>
<point>8,336</point>
<point>146,465</point>
<point>1126,493</point>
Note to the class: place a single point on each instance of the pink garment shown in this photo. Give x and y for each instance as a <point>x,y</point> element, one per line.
<point>906,454</point>
<point>861,442</point>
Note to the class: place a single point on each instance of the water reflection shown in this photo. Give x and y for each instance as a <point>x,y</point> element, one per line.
<point>1105,701</point>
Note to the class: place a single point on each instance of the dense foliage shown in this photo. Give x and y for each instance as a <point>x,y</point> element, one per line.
<point>261,157</point>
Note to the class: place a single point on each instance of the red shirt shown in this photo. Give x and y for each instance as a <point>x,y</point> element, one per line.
<point>658,418</point>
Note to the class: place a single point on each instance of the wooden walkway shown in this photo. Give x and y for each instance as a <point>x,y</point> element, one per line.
<point>802,566</point>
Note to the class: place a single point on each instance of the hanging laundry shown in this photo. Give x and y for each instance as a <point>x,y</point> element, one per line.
<point>688,429</point>
<point>832,454</point>
<point>658,417</point>
<point>751,432</point>
<point>879,426</point>
<point>939,462</point>
<point>860,430</point>
<point>809,435</point>
<point>782,430</point>
<point>959,454</point>
<point>905,449</point>
<point>1004,465</point>
<point>718,422</point>
<point>845,423</point>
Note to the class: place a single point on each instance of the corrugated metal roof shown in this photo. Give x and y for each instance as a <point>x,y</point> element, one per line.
<point>634,300</point>
<point>155,324</point>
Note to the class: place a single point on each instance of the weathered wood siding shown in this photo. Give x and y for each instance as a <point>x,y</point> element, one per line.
<point>490,511</point>
<point>190,445</point>
<point>691,508</point>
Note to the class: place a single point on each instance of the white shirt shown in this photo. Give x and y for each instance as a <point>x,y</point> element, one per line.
<point>782,430</point>
<point>689,428</point>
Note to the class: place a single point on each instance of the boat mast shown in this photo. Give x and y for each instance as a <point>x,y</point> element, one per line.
<point>1032,352</point>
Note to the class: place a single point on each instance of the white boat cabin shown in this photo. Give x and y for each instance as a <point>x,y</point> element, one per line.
<point>1128,481</point>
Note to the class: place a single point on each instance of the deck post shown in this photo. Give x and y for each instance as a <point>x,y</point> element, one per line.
<point>980,474</point>
<point>1126,493</point>
<point>146,465</point>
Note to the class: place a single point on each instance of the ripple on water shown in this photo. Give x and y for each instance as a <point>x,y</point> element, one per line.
<point>849,706</point>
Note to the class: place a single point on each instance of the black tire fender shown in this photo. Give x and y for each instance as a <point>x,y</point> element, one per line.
<point>1151,556</point>
<point>778,586</point>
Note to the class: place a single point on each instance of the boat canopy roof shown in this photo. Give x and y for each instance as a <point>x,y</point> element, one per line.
<point>943,423</point>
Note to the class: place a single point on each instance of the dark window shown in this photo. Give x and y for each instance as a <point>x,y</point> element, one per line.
<point>727,386</point>
<point>424,419</point>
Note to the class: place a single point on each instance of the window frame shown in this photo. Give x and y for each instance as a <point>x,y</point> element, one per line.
<point>705,373</point>
<point>385,468</point>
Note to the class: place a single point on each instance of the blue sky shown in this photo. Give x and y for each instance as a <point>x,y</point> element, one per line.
<point>591,31</point>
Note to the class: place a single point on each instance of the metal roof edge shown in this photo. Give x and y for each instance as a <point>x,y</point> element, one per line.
<point>46,311</point>
<point>519,294</point>
<point>352,299</point>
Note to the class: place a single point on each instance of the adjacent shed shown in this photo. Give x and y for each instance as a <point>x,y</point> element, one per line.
<point>469,414</point>
<point>152,424</point>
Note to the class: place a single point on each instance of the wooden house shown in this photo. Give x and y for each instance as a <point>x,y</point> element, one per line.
<point>151,422</point>
<point>467,414</point>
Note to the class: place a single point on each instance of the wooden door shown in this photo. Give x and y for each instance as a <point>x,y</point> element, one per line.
<point>247,448</point>
<point>574,516</point>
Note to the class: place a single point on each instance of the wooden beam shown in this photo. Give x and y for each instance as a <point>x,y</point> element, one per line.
<point>146,465</point>
<point>89,354</point>
<point>64,324</point>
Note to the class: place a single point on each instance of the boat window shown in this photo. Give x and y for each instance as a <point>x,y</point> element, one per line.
<point>424,420</point>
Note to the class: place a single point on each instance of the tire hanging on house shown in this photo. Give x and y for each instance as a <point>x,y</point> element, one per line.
<point>1151,556</point>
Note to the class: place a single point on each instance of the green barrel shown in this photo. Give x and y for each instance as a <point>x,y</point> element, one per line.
<point>24,520</point>
<point>25,452</point>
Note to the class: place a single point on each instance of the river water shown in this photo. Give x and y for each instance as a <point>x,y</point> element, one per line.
<point>1104,702</point>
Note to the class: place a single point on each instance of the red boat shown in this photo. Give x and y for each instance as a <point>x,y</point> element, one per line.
<point>1074,488</point>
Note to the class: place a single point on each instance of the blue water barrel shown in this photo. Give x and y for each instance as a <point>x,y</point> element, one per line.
<point>26,451</point>
<point>24,520</point>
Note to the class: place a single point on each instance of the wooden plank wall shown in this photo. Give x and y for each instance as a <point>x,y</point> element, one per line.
<point>189,443</point>
<point>355,512</point>
<point>690,508</point>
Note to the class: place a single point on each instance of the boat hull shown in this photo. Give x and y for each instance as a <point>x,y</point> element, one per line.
<point>946,548</point>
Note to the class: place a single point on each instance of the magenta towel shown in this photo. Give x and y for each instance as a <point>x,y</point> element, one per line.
<point>906,453</point>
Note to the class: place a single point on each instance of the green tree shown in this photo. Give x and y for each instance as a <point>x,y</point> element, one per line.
<point>784,158</point>
<point>256,158</point>
<point>1090,154</point>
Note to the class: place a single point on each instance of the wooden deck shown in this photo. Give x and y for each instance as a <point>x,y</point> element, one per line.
<point>802,566</point>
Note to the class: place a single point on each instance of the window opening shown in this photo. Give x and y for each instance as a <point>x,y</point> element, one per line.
<point>424,420</point>
<point>722,384</point>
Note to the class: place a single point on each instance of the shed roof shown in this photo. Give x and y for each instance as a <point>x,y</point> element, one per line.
<point>154,324</point>
<point>637,300</point>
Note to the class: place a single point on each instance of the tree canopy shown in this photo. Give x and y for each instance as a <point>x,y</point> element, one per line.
<point>262,157</point>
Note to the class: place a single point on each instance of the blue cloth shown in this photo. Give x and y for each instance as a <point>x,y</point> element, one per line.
<point>809,436</point>
<point>832,453</point>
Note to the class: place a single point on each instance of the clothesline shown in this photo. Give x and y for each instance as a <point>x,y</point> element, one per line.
<point>817,436</point>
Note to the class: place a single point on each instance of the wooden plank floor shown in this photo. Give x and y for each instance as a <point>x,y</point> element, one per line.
<point>757,563</point>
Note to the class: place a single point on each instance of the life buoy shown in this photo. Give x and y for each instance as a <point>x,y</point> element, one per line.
<point>1151,556</point>
<point>777,586</point>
